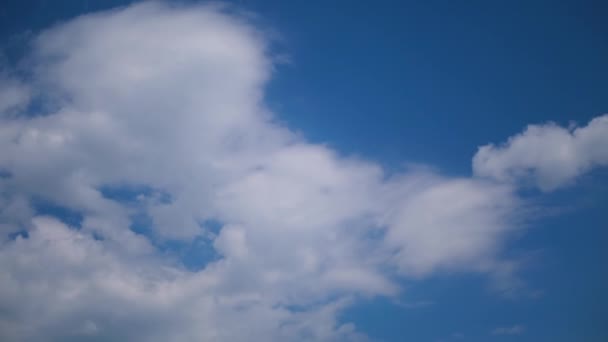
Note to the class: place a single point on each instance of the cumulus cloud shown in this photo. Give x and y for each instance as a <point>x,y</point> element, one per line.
<point>439,223</point>
<point>547,155</point>
<point>62,285</point>
<point>165,103</point>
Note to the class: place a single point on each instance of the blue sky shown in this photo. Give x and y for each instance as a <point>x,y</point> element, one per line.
<point>314,168</point>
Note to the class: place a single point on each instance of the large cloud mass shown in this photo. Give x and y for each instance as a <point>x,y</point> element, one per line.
<point>147,126</point>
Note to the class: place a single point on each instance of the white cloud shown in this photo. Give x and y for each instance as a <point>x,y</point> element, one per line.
<point>60,284</point>
<point>548,155</point>
<point>170,99</point>
<point>437,223</point>
<point>512,330</point>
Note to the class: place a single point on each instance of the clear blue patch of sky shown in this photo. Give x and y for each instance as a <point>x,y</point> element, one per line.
<point>43,207</point>
<point>192,254</point>
<point>132,194</point>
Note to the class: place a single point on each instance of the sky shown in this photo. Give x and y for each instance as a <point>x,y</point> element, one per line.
<point>303,171</point>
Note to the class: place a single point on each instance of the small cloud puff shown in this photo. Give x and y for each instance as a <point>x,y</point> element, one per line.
<point>512,330</point>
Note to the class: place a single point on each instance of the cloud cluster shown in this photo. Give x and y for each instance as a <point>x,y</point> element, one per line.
<point>164,105</point>
<point>548,156</point>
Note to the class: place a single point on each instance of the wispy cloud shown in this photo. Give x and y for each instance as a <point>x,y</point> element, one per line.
<point>512,330</point>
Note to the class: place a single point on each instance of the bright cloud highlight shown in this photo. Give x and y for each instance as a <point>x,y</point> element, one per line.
<point>168,101</point>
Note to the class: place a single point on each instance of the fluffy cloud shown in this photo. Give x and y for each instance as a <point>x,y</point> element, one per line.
<point>439,223</point>
<point>164,106</point>
<point>62,285</point>
<point>548,155</point>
